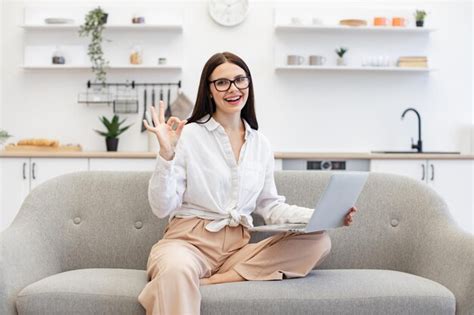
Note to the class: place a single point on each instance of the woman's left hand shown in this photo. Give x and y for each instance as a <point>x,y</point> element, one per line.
<point>348,218</point>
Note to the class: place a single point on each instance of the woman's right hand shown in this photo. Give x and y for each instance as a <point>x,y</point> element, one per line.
<point>167,137</point>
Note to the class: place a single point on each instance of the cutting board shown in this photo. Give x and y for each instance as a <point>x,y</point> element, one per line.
<point>29,148</point>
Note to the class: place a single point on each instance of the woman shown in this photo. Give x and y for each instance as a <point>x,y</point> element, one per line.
<point>212,172</point>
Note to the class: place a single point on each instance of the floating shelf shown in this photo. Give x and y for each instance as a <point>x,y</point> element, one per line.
<point>354,68</point>
<point>290,27</point>
<point>112,67</point>
<point>124,27</point>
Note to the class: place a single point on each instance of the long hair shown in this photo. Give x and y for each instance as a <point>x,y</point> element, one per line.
<point>205,104</point>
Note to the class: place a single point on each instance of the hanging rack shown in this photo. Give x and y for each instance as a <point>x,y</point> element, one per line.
<point>133,84</point>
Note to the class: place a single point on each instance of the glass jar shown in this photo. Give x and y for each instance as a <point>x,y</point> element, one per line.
<point>136,55</point>
<point>58,57</point>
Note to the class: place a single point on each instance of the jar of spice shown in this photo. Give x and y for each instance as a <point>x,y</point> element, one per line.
<point>136,55</point>
<point>58,57</point>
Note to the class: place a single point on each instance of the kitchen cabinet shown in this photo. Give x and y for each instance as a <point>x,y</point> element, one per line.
<point>22,175</point>
<point>452,179</point>
<point>104,164</point>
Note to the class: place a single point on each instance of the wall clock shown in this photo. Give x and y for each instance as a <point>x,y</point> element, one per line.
<point>228,12</point>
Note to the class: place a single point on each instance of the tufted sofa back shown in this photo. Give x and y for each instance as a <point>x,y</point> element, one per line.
<point>103,219</point>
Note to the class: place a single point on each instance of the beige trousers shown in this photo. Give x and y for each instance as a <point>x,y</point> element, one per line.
<point>189,256</point>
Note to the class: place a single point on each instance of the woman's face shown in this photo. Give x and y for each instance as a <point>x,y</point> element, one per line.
<point>233,99</point>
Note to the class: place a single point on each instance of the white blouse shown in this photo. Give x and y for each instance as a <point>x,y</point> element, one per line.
<point>204,180</point>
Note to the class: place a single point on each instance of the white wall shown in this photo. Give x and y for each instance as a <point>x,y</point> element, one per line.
<point>299,111</point>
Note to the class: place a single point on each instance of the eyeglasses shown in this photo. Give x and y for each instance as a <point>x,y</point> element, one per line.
<point>223,85</point>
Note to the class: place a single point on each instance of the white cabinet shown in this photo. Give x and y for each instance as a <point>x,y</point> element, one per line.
<point>100,164</point>
<point>43,169</point>
<point>452,179</point>
<point>15,187</point>
<point>21,175</point>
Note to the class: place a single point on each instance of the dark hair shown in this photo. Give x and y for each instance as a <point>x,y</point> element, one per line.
<point>205,104</point>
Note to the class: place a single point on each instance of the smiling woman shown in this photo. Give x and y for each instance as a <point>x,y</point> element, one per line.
<point>213,171</point>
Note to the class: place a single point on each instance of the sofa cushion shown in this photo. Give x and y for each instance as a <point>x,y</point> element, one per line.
<point>357,291</point>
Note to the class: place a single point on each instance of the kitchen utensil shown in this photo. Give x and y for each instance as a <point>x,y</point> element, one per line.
<point>153,102</point>
<point>161,99</point>
<point>144,108</point>
<point>168,107</point>
<point>168,100</point>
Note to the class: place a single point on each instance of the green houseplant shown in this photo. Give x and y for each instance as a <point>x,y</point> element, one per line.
<point>340,52</point>
<point>94,25</point>
<point>420,17</point>
<point>4,135</point>
<point>114,130</point>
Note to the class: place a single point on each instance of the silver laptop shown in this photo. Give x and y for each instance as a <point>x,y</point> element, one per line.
<point>340,195</point>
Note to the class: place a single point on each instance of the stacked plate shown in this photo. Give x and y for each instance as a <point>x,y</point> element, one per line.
<point>58,21</point>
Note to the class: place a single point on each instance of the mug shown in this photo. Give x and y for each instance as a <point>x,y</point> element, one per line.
<point>398,21</point>
<point>295,60</point>
<point>296,20</point>
<point>380,21</point>
<point>162,61</point>
<point>317,21</point>
<point>316,60</point>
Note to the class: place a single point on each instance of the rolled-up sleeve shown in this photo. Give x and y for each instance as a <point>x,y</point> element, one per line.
<point>272,206</point>
<point>168,182</point>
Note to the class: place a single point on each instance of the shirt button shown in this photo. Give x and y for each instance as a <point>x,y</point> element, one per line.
<point>394,222</point>
<point>77,220</point>
<point>138,225</point>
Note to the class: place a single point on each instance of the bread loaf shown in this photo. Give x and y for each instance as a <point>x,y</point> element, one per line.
<point>39,142</point>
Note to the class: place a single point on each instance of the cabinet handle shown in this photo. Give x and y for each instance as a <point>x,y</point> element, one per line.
<point>24,170</point>
<point>423,172</point>
<point>432,172</point>
<point>33,170</point>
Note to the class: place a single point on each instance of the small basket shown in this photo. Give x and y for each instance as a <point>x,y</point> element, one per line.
<point>96,95</point>
<point>126,100</point>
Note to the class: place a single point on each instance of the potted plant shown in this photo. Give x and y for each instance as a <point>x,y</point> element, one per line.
<point>420,17</point>
<point>340,52</point>
<point>113,131</point>
<point>94,26</point>
<point>4,135</point>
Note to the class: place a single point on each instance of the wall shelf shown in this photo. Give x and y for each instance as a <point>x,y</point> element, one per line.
<point>124,27</point>
<point>112,67</point>
<point>352,68</point>
<point>342,28</point>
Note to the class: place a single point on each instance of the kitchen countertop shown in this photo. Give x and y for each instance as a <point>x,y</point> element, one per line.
<point>278,155</point>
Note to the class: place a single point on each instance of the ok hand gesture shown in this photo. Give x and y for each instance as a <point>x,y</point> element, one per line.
<point>167,136</point>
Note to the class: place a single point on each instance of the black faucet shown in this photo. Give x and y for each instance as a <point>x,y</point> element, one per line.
<point>418,146</point>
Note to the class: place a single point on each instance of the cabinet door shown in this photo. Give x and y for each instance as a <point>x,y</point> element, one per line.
<point>453,180</point>
<point>43,169</point>
<point>97,164</point>
<point>412,168</point>
<point>15,187</point>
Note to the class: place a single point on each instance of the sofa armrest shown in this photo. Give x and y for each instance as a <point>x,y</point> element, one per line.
<point>26,256</point>
<point>445,254</point>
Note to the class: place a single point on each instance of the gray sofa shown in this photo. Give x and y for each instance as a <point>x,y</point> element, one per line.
<point>80,244</point>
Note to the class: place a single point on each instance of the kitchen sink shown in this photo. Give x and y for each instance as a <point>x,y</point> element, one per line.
<point>416,152</point>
